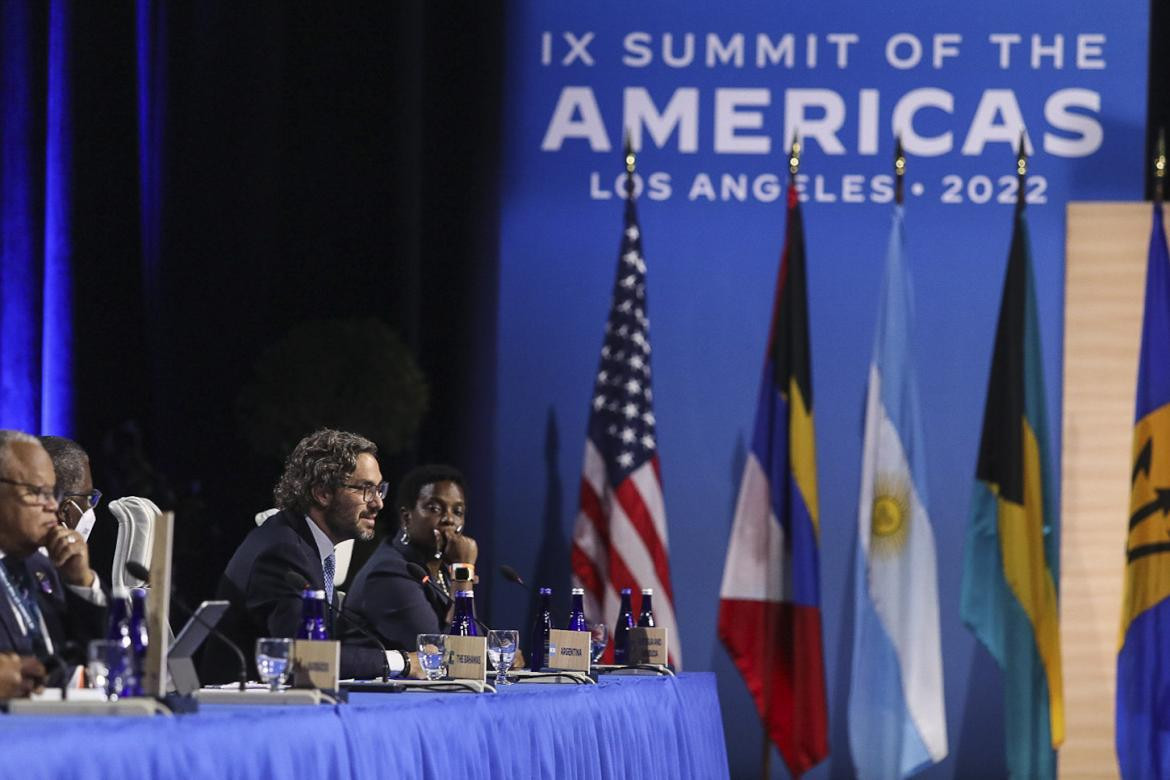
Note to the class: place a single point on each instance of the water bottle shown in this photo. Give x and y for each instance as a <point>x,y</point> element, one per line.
<point>463,623</point>
<point>538,647</point>
<point>312,615</point>
<point>320,631</point>
<point>577,613</point>
<point>621,630</point>
<point>646,616</point>
<point>119,631</point>
<point>139,640</point>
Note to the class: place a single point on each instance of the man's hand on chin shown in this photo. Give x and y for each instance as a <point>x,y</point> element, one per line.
<point>70,555</point>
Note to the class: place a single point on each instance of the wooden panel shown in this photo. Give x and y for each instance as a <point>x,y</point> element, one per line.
<point>1105,275</point>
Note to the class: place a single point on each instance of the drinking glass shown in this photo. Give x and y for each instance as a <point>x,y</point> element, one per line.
<point>272,660</point>
<point>432,652</point>
<point>501,647</point>
<point>108,666</point>
<point>598,639</point>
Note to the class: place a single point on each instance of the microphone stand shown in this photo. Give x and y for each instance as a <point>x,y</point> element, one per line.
<point>138,571</point>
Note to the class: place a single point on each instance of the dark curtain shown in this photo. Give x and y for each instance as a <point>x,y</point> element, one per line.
<point>237,169</point>
<point>35,195</point>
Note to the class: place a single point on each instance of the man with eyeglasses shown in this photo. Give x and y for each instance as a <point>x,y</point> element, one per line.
<point>53,603</point>
<point>331,490</point>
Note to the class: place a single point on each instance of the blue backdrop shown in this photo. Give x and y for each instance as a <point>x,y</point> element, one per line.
<point>711,93</point>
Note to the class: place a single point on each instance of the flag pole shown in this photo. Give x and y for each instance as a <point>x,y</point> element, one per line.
<point>1160,165</point>
<point>1021,172</point>
<point>766,760</point>
<point>899,171</point>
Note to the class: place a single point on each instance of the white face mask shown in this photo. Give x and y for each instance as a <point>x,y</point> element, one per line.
<point>85,524</point>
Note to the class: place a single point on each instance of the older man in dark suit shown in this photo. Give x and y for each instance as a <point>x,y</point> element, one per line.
<point>331,490</point>
<point>51,604</point>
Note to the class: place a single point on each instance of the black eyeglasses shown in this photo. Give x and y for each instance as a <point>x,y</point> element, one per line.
<point>369,491</point>
<point>94,497</point>
<point>40,494</point>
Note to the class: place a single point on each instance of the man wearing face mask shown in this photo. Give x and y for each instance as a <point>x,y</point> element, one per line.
<point>331,490</point>
<point>79,499</point>
<point>432,511</point>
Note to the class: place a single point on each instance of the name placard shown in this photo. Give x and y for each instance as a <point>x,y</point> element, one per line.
<point>158,605</point>
<point>568,650</point>
<point>467,658</point>
<point>649,646</point>
<point>316,664</point>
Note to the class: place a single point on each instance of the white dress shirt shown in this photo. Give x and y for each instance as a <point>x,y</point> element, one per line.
<point>394,658</point>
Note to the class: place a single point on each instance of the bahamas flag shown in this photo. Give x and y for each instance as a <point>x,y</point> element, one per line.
<point>897,722</point>
<point>1010,573</point>
<point>1143,662</point>
<point>770,603</point>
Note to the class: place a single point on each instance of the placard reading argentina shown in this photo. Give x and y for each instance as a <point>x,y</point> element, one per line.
<point>739,98</point>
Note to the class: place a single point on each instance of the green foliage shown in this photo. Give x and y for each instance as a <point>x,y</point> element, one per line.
<point>351,374</point>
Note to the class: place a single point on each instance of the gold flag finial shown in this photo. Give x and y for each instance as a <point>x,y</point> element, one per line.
<point>1021,170</point>
<point>794,155</point>
<point>628,153</point>
<point>1160,165</point>
<point>899,171</point>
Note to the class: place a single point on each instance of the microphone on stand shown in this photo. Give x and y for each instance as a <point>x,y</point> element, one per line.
<point>420,574</point>
<point>357,621</point>
<point>56,663</point>
<point>138,571</point>
<point>511,575</point>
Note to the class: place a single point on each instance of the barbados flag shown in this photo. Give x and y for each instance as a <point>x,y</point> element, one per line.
<point>1143,661</point>
<point>897,721</point>
<point>1011,567</point>
<point>770,603</point>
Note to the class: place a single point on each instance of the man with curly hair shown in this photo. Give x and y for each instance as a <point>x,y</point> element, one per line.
<point>331,490</point>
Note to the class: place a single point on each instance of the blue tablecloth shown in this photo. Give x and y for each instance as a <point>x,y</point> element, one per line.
<point>624,727</point>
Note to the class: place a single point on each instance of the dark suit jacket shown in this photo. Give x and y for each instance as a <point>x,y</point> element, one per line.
<point>71,620</point>
<point>397,606</point>
<point>264,603</point>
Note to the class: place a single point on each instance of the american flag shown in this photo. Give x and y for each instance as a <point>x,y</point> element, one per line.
<point>619,540</point>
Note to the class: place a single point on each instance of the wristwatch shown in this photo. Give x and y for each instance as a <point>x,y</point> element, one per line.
<point>462,572</point>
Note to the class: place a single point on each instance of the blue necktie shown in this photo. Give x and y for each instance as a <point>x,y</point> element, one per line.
<point>330,566</point>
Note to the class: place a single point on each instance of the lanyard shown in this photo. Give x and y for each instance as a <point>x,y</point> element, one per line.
<point>26,619</point>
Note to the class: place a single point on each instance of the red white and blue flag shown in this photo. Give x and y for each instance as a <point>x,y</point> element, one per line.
<point>619,540</point>
<point>770,604</point>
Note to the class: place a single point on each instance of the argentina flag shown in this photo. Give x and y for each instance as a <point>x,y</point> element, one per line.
<point>897,721</point>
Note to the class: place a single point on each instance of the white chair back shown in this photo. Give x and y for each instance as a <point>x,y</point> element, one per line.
<point>135,518</point>
<point>342,552</point>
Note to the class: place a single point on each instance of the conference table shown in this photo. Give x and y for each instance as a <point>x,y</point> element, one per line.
<point>625,726</point>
